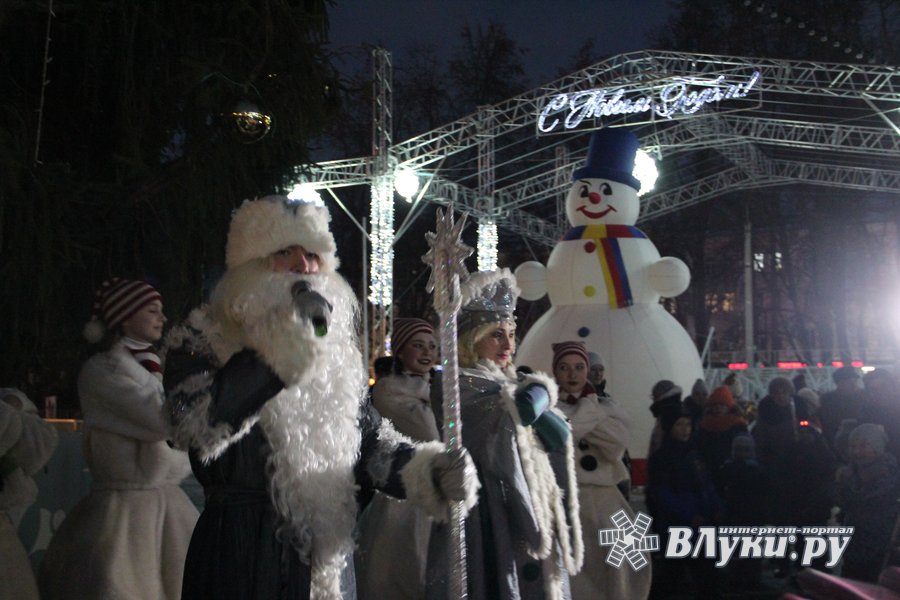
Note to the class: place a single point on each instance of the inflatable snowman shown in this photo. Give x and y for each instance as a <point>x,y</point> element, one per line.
<point>605,280</point>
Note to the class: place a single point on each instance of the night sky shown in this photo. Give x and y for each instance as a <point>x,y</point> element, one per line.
<point>551,32</point>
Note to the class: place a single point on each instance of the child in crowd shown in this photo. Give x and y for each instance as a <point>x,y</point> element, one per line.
<point>665,396</point>
<point>681,494</point>
<point>722,422</point>
<point>867,491</point>
<point>745,488</point>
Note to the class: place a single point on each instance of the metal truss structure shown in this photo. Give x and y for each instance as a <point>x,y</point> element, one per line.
<point>823,124</point>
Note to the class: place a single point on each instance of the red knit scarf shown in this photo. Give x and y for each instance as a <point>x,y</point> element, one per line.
<point>587,390</point>
<point>145,354</point>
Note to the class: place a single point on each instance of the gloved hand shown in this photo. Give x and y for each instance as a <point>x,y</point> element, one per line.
<point>552,430</point>
<point>454,475</point>
<point>531,401</point>
<point>241,388</point>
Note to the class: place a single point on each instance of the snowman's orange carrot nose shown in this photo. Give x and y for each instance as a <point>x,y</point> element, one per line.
<point>595,198</point>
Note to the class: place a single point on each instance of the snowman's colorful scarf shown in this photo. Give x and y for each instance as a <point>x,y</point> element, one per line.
<point>607,247</point>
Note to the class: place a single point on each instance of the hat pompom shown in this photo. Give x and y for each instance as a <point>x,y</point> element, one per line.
<point>94,330</point>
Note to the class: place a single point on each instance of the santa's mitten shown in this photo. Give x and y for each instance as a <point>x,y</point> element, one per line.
<point>552,430</point>
<point>531,401</point>
<point>454,475</point>
<point>434,477</point>
<point>241,387</point>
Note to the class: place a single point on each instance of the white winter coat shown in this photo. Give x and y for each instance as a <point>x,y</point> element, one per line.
<point>394,534</point>
<point>128,538</point>
<point>600,428</point>
<point>28,442</point>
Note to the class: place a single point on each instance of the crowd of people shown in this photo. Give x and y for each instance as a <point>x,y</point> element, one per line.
<point>316,486</point>
<point>797,459</point>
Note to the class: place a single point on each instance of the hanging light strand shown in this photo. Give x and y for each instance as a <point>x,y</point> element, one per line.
<point>44,82</point>
<point>487,245</point>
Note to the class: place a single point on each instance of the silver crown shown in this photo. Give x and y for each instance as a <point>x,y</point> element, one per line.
<point>489,297</point>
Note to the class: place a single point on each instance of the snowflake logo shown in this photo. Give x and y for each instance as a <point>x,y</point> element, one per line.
<point>629,540</point>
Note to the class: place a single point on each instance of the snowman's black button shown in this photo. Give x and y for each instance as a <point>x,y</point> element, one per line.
<point>583,445</point>
<point>590,247</point>
<point>588,463</point>
<point>531,571</point>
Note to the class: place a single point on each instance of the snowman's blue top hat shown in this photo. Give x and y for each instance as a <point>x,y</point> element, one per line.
<point>611,156</point>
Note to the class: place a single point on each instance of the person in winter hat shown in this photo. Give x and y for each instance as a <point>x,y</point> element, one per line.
<point>26,444</point>
<point>680,493</point>
<point>843,402</point>
<point>135,508</point>
<point>665,396</point>
<point>600,428</point>
<point>597,374</point>
<point>524,538</point>
<point>797,460</point>
<point>867,491</point>
<point>393,535</point>
<point>881,405</point>
<point>721,423</point>
<point>266,387</point>
<point>129,312</point>
<point>696,401</point>
<point>745,489</point>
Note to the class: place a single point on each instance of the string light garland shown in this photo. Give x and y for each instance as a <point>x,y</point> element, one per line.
<point>44,82</point>
<point>760,7</point>
<point>381,214</point>
<point>487,245</point>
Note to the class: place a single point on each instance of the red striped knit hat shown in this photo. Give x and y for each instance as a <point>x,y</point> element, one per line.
<point>115,301</point>
<point>565,348</point>
<point>405,329</point>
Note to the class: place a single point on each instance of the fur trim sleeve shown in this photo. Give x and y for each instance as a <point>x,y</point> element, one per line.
<point>190,369</point>
<point>556,509</point>
<point>380,460</point>
<point>189,404</point>
<point>420,487</point>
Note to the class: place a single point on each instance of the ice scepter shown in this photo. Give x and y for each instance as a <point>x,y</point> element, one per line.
<point>446,258</point>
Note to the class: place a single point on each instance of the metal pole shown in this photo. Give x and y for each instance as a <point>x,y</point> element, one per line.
<point>748,291</point>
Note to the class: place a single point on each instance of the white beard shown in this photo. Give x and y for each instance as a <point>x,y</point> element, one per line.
<point>311,425</point>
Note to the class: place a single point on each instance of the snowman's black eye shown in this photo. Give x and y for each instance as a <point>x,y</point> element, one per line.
<point>584,191</point>
<point>605,189</point>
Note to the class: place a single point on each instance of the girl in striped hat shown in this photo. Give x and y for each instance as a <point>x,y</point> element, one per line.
<point>600,428</point>
<point>129,537</point>
<point>130,312</point>
<point>394,535</point>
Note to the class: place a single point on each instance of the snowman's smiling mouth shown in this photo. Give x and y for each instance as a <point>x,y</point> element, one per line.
<point>598,214</point>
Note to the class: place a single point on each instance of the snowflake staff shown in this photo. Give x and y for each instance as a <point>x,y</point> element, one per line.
<point>446,258</point>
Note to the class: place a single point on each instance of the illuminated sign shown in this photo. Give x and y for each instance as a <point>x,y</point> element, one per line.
<point>671,98</point>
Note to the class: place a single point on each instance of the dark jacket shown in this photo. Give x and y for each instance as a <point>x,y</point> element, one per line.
<point>798,462</point>
<point>867,495</point>
<point>680,489</point>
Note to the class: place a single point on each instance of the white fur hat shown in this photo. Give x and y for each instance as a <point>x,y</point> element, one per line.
<point>265,225</point>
